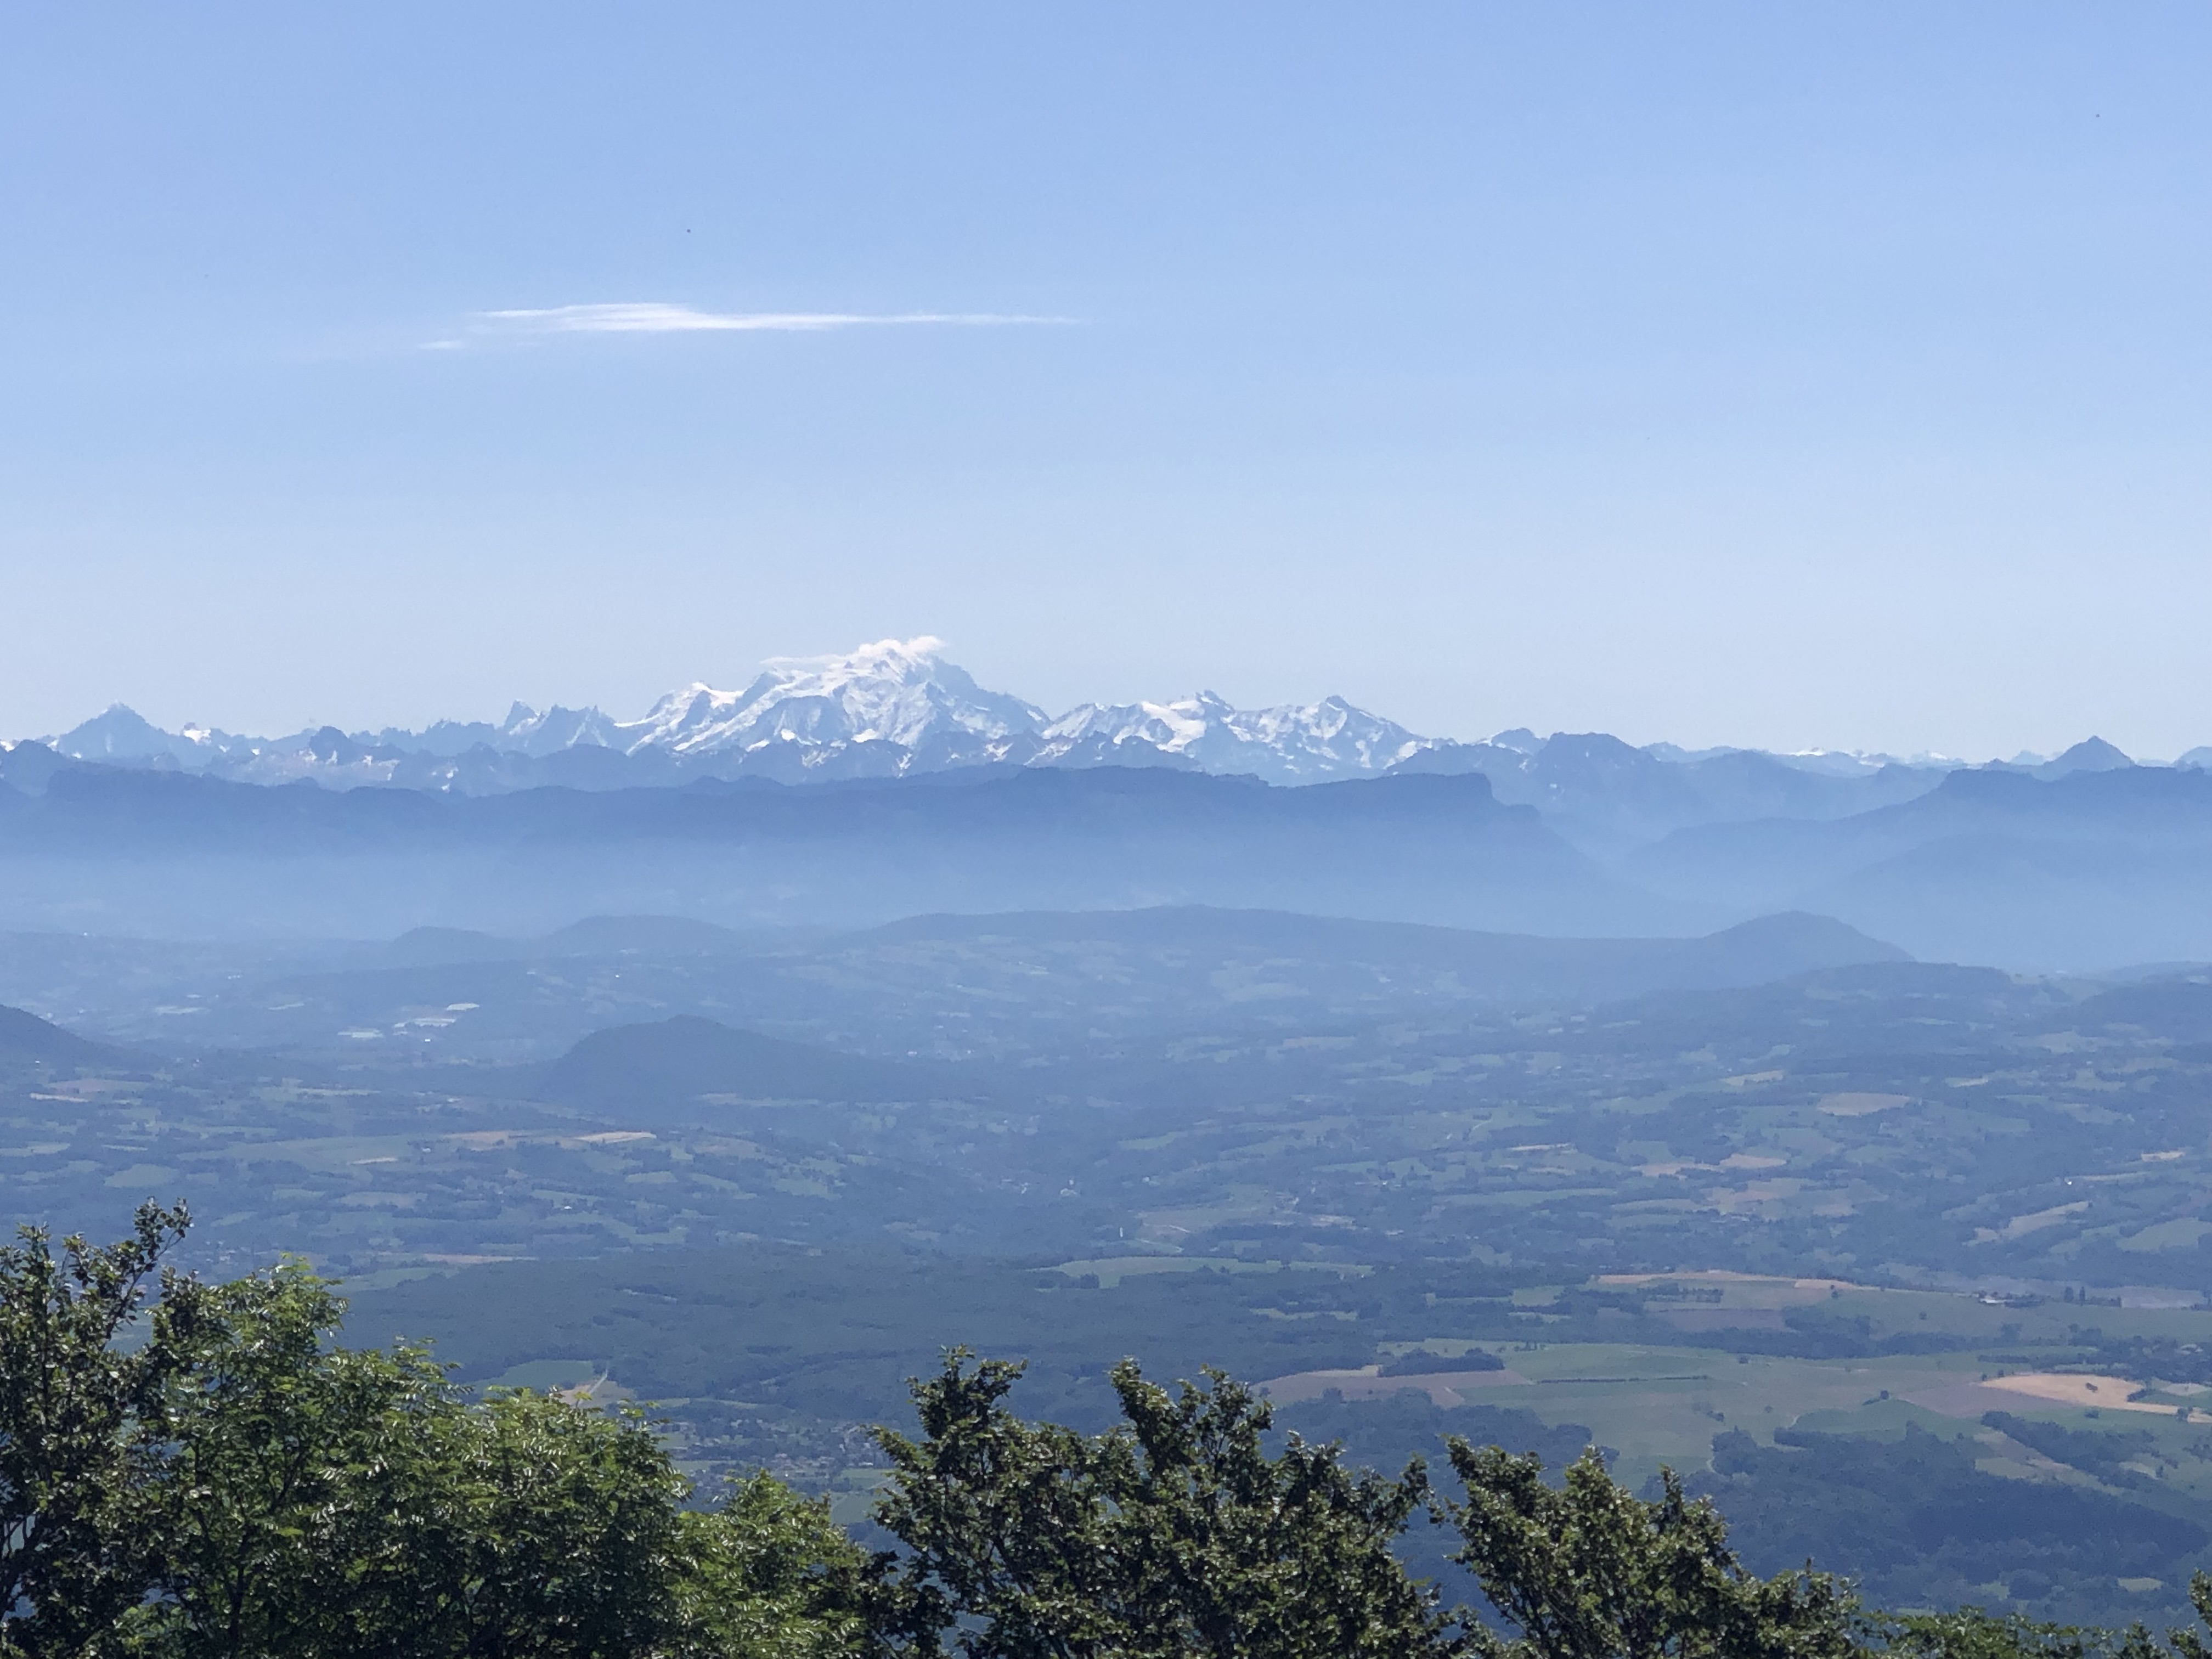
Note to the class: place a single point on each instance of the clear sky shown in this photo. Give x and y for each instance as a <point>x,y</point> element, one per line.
<point>1790,375</point>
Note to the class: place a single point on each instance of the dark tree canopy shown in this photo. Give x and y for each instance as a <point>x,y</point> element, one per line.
<point>1175,1534</point>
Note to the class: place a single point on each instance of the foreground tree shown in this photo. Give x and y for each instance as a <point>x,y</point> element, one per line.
<point>2190,1644</point>
<point>214,1478</point>
<point>236,1486</point>
<point>1972,1633</point>
<point>1232,1552</point>
<point>1587,1570</point>
<point>561,1531</point>
<point>74,1552</point>
<point>769,1575</point>
<point>289,1482</point>
<point>316,1502</point>
<point>1176,1533</point>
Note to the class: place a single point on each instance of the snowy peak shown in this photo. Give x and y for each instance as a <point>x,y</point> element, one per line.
<point>1169,727</point>
<point>1291,743</point>
<point>900,692</point>
<point>524,732</point>
<point>527,731</point>
<point>1330,736</point>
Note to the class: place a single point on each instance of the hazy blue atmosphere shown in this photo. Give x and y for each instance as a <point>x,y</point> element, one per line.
<point>1784,376</point>
<point>1488,720</point>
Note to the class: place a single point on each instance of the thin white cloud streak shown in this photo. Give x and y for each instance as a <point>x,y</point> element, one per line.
<point>649,317</point>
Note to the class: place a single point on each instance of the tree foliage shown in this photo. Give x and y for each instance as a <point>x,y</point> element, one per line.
<point>1177,1533</point>
<point>769,1575</point>
<point>237,1487</point>
<point>215,1477</point>
<point>1587,1571</point>
<point>73,1559</point>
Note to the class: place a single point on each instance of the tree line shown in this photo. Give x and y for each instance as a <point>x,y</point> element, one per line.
<point>200,1471</point>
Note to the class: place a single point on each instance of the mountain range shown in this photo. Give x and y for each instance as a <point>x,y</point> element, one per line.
<point>897,709</point>
<point>889,709</point>
<point>854,791</point>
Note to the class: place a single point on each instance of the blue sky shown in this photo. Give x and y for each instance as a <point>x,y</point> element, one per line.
<point>1782,374</point>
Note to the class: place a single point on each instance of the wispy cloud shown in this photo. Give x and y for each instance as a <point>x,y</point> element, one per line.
<point>651,317</point>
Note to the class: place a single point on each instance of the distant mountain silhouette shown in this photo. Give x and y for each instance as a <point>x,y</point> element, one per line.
<point>2090,755</point>
<point>27,767</point>
<point>2084,871</point>
<point>196,855</point>
<point>1767,949</point>
<point>2103,862</point>
<point>1607,796</point>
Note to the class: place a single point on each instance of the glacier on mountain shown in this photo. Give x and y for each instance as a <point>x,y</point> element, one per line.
<point>900,692</point>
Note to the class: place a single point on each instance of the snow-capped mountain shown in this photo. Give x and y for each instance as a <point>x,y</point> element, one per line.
<point>898,705</point>
<point>1294,742</point>
<point>524,732</point>
<point>899,692</point>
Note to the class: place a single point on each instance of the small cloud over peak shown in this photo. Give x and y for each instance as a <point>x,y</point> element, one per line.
<point>655,317</point>
<point>923,647</point>
<point>874,657</point>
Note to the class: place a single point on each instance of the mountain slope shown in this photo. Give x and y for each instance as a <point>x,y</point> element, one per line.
<point>26,1038</point>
